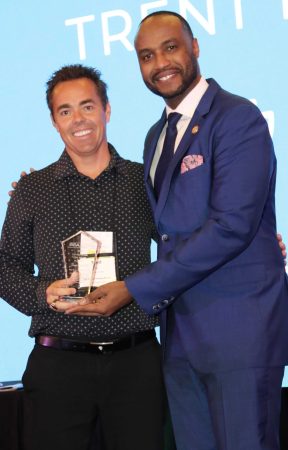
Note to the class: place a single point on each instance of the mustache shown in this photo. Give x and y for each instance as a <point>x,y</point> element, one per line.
<point>163,72</point>
<point>82,123</point>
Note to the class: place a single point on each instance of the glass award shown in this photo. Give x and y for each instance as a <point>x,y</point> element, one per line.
<point>80,254</point>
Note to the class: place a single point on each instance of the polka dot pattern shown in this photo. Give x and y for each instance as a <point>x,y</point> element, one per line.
<point>50,205</point>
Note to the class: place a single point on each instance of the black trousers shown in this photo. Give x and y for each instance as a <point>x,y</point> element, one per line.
<point>67,392</point>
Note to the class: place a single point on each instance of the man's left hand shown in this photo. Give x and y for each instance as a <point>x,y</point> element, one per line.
<point>282,246</point>
<point>104,301</point>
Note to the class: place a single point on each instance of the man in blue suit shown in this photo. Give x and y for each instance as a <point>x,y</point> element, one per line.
<point>219,282</point>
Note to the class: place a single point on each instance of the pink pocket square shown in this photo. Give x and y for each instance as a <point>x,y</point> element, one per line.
<point>190,162</point>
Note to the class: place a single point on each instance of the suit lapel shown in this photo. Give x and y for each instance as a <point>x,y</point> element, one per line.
<point>186,142</point>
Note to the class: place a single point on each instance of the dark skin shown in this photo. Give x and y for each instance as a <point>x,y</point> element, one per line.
<point>168,58</point>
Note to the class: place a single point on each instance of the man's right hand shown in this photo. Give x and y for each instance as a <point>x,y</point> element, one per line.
<point>14,183</point>
<point>57,290</point>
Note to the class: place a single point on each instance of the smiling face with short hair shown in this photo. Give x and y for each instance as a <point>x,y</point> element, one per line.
<point>80,118</point>
<point>167,56</point>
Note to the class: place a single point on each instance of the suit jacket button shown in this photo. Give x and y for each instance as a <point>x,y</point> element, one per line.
<point>165,237</point>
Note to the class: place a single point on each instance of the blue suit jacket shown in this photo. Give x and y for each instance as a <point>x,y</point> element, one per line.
<point>220,273</point>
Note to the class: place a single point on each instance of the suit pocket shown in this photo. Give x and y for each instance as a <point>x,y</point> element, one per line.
<point>191,190</point>
<point>193,170</point>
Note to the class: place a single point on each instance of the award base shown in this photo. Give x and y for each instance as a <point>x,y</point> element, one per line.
<point>81,293</point>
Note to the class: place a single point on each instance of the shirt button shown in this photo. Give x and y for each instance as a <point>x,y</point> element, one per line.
<point>165,237</point>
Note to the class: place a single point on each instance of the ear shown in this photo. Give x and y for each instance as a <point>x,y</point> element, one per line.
<point>108,112</point>
<point>195,48</point>
<point>53,122</point>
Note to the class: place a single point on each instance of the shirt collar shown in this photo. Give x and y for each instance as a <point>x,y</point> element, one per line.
<point>65,167</point>
<point>189,104</point>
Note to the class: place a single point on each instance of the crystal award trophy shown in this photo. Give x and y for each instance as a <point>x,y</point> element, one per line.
<point>80,254</point>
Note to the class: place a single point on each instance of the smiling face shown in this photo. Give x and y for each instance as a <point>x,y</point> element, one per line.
<point>167,55</point>
<point>80,118</point>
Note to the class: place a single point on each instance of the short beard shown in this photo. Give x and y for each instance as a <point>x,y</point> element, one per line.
<point>186,84</point>
<point>181,90</point>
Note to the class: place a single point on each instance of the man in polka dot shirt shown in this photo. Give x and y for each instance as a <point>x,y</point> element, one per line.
<point>82,368</point>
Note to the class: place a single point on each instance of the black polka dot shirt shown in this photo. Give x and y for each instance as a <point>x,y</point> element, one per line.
<point>54,203</point>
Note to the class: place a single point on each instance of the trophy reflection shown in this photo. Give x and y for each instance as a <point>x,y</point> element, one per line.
<point>80,254</point>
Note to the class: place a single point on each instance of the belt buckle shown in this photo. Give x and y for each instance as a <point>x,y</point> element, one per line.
<point>101,345</point>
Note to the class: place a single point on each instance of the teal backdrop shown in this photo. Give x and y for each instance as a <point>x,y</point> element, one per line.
<point>243,46</point>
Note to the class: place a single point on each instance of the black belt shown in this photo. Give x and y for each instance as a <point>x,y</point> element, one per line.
<point>96,347</point>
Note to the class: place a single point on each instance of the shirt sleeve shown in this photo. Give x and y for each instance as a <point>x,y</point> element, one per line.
<point>18,283</point>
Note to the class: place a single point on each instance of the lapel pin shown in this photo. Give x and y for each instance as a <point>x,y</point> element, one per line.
<point>195,129</point>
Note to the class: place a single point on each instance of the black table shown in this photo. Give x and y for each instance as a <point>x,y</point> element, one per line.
<point>10,420</point>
